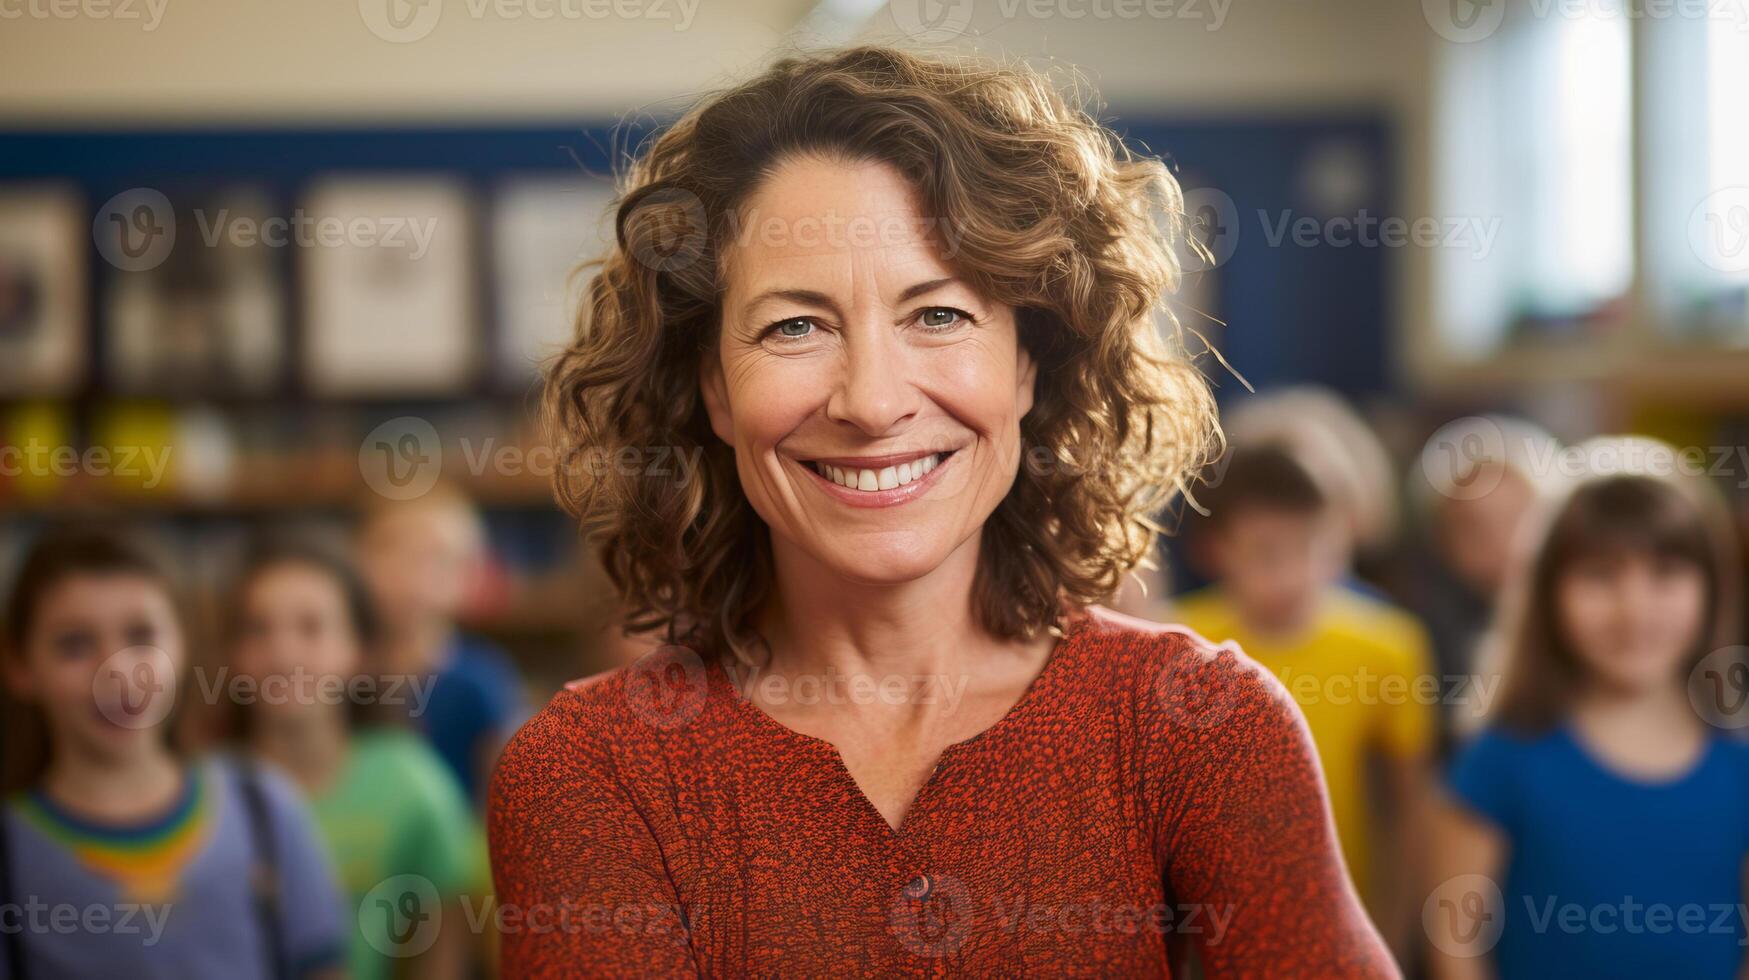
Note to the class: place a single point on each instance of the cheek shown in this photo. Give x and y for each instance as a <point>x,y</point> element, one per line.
<point>1683,609</point>
<point>249,658</point>
<point>768,400</point>
<point>981,377</point>
<point>69,683</point>
<point>336,656</point>
<point>1588,616</point>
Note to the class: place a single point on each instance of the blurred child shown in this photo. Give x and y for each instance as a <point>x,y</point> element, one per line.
<point>1340,450</point>
<point>420,557</point>
<point>1477,495</point>
<point>172,867</point>
<point>1610,820</point>
<point>386,805</point>
<point>1279,548</point>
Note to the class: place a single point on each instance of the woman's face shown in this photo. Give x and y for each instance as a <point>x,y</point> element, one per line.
<point>102,661</point>
<point>872,397</point>
<point>1632,619</point>
<point>297,639</point>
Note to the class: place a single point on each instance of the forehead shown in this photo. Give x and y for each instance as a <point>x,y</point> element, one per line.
<point>823,217</point>
<point>102,593</point>
<point>294,577</point>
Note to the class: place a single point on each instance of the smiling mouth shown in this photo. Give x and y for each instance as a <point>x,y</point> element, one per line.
<point>872,480</point>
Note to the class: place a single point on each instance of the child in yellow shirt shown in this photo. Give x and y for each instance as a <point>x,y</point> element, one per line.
<point>1358,667</point>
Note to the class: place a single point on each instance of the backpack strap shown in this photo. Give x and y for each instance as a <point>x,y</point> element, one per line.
<point>11,940</point>
<point>264,871</point>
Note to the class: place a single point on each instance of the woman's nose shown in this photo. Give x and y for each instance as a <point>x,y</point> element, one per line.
<point>874,390</point>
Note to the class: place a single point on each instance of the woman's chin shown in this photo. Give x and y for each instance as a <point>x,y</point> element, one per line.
<point>894,560</point>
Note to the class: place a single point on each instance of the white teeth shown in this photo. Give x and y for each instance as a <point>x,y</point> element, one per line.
<point>883,479</point>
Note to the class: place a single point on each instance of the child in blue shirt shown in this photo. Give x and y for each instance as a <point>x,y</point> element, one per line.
<point>1599,825</point>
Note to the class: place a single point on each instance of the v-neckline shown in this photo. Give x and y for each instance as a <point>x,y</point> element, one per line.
<point>1010,719</point>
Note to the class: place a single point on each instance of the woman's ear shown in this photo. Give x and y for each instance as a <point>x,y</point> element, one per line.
<point>1027,382</point>
<point>716,395</point>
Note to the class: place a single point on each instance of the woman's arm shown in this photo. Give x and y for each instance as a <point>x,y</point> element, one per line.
<point>581,883</point>
<point>1466,848</point>
<point>1245,827</point>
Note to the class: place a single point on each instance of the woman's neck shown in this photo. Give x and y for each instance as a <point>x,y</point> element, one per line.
<point>114,790</point>
<point>310,745</point>
<point>819,622</point>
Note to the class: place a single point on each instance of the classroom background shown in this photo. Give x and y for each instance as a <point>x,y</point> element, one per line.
<point>274,266</point>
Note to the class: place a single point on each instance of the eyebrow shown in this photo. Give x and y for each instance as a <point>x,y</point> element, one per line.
<point>926,287</point>
<point>812,298</point>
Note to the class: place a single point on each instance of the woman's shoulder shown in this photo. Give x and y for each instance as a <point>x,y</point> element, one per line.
<point>595,724</point>
<point>1180,679</point>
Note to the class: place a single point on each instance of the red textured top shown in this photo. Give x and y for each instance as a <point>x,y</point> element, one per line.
<point>1147,794</point>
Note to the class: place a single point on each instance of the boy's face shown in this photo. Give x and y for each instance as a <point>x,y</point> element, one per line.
<point>419,562</point>
<point>1274,564</point>
<point>1478,536</point>
<point>102,662</point>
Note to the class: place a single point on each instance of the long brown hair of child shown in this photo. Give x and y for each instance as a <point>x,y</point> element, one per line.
<point>1666,516</point>
<point>279,549</point>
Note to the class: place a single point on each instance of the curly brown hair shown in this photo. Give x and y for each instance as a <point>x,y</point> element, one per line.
<point>1055,217</point>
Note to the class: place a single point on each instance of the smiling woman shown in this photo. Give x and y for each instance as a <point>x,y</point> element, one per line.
<point>908,311</point>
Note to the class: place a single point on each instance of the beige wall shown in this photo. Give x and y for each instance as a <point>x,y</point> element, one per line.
<point>266,61</point>
<point>156,60</point>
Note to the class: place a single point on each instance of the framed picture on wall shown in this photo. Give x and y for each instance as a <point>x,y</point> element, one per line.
<point>388,287</point>
<point>208,318</point>
<point>43,251</point>
<point>542,230</point>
